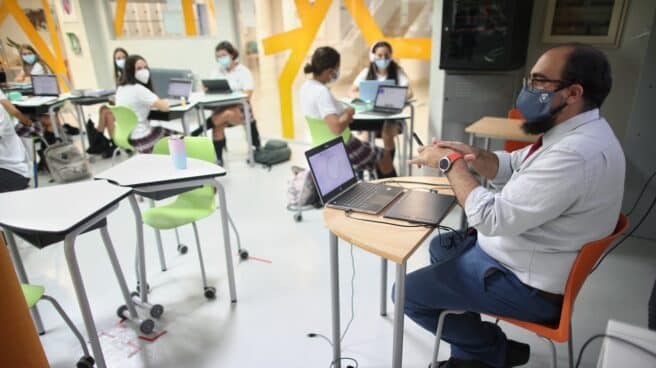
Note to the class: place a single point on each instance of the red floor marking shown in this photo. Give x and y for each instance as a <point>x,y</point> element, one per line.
<point>152,339</point>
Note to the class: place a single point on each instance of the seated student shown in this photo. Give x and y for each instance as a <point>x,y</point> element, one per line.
<point>14,168</point>
<point>381,67</point>
<point>318,102</point>
<point>135,91</point>
<point>99,144</point>
<point>240,79</point>
<point>32,64</point>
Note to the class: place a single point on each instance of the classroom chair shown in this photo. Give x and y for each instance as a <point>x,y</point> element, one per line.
<point>125,121</point>
<point>321,133</point>
<point>562,331</point>
<point>188,207</point>
<point>509,145</point>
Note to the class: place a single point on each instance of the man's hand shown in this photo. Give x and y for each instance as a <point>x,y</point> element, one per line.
<point>430,156</point>
<point>469,153</point>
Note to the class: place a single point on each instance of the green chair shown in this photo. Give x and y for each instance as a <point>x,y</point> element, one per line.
<point>188,207</point>
<point>321,133</point>
<point>125,121</point>
<point>33,294</point>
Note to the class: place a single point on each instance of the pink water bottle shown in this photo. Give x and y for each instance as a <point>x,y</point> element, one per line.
<point>178,151</point>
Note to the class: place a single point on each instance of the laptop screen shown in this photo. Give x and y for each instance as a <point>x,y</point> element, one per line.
<point>45,85</point>
<point>179,88</point>
<point>331,167</point>
<point>391,97</point>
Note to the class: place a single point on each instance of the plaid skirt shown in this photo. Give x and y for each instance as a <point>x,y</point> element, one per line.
<point>363,155</point>
<point>145,144</point>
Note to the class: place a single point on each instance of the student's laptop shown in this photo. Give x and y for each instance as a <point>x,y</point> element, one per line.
<point>337,184</point>
<point>217,86</point>
<point>389,100</point>
<point>177,89</point>
<point>369,88</point>
<point>428,208</point>
<point>45,89</point>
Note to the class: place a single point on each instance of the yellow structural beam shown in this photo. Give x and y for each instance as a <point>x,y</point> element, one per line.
<point>4,11</point>
<point>52,30</point>
<point>119,17</point>
<point>299,42</point>
<point>188,14</point>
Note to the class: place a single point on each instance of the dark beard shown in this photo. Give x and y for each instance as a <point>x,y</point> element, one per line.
<point>539,127</point>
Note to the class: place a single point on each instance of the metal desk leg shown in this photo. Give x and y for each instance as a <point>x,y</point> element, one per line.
<point>185,127</point>
<point>116,266</point>
<point>404,153</point>
<point>82,300</point>
<point>226,239</point>
<point>249,137</point>
<point>383,286</point>
<point>22,276</point>
<point>334,295</point>
<point>141,258</point>
<point>53,122</point>
<point>160,248</point>
<point>83,132</point>
<point>200,112</point>
<point>399,304</point>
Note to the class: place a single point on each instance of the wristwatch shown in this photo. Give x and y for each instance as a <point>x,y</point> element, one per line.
<point>447,161</point>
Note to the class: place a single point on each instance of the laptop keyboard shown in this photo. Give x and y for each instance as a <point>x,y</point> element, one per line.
<point>360,196</point>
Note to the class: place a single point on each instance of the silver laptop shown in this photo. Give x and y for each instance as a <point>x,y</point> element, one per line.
<point>46,89</point>
<point>390,100</point>
<point>178,88</point>
<point>338,185</point>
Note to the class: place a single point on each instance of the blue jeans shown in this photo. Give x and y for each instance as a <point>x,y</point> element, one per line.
<point>462,276</point>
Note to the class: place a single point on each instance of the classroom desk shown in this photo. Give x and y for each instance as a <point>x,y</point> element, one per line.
<point>206,101</point>
<point>174,113</point>
<point>391,243</point>
<point>47,215</point>
<point>155,177</point>
<point>489,127</point>
<point>45,108</point>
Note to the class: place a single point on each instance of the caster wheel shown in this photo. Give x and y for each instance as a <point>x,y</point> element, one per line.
<point>243,254</point>
<point>121,312</point>
<point>298,217</point>
<point>147,326</point>
<point>147,288</point>
<point>210,292</point>
<point>182,249</point>
<point>85,362</point>
<point>134,294</point>
<point>156,311</point>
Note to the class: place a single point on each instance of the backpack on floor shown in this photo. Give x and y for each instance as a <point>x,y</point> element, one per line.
<point>66,163</point>
<point>274,152</point>
<point>300,189</point>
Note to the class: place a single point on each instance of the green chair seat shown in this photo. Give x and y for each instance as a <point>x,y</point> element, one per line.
<point>32,293</point>
<point>187,208</point>
<point>125,121</point>
<point>321,133</point>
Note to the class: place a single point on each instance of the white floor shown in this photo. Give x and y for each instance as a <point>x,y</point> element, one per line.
<point>282,301</point>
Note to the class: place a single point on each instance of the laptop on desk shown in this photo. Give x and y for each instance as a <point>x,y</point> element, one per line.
<point>337,184</point>
<point>178,88</point>
<point>46,89</point>
<point>217,86</point>
<point>369,88</point>
<point>390,100</point>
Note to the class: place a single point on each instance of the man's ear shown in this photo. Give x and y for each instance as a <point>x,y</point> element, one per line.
<point>575,92</point>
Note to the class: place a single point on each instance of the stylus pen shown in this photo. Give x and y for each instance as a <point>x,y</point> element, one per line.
<point>416,137</point>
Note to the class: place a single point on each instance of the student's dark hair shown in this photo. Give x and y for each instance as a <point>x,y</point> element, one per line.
<point>128,75</point>
<point>589,67</point>
<point>392,69</point>
<point>117,70</point>
<point>323,58</point>
<point>227,46</point>
<point>26,66</point>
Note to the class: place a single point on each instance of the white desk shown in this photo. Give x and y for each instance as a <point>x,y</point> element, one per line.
<point>205,101</point>
<point>53,213</point>
<point>175,112</point>
<point>47,107</point>
<point>149,174</point>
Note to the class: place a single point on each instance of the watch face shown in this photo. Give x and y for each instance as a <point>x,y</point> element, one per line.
<point>444,163</point>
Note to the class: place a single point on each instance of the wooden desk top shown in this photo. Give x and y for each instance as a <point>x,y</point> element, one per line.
<point>501,128</point>
<point>391,242</point>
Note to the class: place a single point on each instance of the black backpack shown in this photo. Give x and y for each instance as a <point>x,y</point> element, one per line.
<point>274,152</point>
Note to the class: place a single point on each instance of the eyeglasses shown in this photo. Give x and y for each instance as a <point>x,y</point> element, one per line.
<point>539,83</point>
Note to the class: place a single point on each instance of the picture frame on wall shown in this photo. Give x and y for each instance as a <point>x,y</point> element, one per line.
<point>597,22</point>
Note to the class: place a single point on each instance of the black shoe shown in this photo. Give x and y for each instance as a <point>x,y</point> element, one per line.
<point>70,130</point>
<point>461,363</point>
<point>109,151</point>
<point>100,145</point>
<point>219,146</point>
<point>517,353</point>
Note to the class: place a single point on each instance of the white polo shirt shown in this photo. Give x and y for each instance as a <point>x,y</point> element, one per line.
<point>140,99</point>
<point>13,156</point>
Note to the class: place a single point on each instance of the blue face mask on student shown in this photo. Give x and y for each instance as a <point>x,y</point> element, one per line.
<point>120,63</point>
<point>382,64</point>
<point>29,58</point>
<point>224,61</point>
<point>535,105</point>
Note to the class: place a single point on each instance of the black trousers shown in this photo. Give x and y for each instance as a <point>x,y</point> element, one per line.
<point>10,181</point>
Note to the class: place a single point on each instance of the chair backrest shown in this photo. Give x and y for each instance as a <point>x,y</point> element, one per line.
<point>510,146</point>
<point>321,133</point>
<point>200,148</point>
<point>583,264</point>
<point>125,121</point>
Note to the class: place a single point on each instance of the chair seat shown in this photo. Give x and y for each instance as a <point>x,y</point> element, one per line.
<point>187,208</point>
<point>32,293</point>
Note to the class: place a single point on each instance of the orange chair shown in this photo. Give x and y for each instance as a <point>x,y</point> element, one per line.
<point>561,332</point>
<point>510,146</point>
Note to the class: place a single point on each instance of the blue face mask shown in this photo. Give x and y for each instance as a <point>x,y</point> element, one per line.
<point>535,105</point>
<point>224,61</point>
<point>120,63</point>
<point>382,64</point>
<point>29,58</point>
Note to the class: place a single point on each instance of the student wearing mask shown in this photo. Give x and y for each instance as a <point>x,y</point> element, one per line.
<point>98,142</point>
<point>135,91</point>
<point>14,167</point>
<point>318,102</point>
<point>32,64</point>
<point>240,79</point>
<point>381,67</point>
